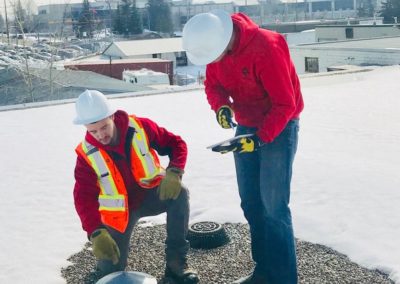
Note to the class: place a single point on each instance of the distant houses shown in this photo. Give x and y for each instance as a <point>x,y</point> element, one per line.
<point>159,55</point>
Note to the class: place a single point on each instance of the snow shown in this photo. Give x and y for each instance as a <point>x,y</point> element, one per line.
<point>345,190</point>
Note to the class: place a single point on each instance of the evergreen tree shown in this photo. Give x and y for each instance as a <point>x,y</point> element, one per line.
<point>135,23</point>
<point>85,22</point>
<point>390,9</point>
<point>366,9</point>
<point>127,19</point>
<point>117,21</point>
<point>121,20</point>
<point>160,16</point>
<point>125,16</point>
<point>19,19</point>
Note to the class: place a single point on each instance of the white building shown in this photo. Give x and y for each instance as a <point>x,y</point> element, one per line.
<point>346,32</point>
<point>182,10</point>
<point>61,17</point>
<point>162,48</point>
<point>318,57</point>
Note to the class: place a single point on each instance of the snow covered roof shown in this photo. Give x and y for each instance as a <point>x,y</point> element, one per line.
<point>101,59</point>
<point>131,48</point>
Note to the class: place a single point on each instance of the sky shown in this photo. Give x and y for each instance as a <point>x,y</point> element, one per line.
<point>345,188</point>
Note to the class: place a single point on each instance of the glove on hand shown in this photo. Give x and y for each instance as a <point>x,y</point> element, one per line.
<point>243,145</point>
<point>224,117</point>
<point>104,246</point>
<point>170,186</point>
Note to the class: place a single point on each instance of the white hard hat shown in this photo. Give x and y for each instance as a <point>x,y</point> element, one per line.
<point>92,106</point>
<point>206,36</point>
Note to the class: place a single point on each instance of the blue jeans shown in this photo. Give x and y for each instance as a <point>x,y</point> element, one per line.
<point>264,179</point>
<point>177,226</point>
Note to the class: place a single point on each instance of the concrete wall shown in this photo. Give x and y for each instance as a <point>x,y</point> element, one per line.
<point>332,33</point>
<point>293,27</point>
<point>331,57</point>
<point>300,38</point>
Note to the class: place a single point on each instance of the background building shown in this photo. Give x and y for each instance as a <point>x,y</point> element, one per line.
<point>346,32</point>
<point>318,57</point>
<point>55,18</point>
<point>115,67</point>
<point>162,48</point>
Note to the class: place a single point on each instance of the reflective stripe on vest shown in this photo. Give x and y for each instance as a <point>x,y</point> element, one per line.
<point>113,197</point>
<point>109,199</point>
<point>150,163</point>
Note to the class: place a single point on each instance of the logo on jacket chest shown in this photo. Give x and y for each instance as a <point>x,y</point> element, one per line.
<point>245,72</point>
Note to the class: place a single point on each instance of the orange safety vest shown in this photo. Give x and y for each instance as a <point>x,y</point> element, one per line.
<point>113,197</point>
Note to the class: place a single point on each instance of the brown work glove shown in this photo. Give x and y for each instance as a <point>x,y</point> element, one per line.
<point>104,246</point>
<point>170,186</point>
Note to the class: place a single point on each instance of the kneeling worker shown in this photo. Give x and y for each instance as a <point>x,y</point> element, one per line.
<point>118,180</point>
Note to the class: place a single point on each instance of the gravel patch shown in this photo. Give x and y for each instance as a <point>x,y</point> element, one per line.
<point>316,263</point>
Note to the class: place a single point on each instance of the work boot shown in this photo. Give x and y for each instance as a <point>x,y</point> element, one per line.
<point>251,279</point>
<point>182,274</point>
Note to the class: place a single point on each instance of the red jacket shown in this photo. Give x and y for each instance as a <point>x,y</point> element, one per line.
<point>257,79</point>
<point>86,190</point>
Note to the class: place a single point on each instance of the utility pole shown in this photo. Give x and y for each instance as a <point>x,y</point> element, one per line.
<point>8,33</point>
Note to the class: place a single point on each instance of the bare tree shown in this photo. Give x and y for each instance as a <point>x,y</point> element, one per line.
<point>66,15</point>
<point>2,23</point>
<point>27,70</point>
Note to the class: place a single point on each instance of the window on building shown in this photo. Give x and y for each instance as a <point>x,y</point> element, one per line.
<point>311,64</point>
<point>349,33</point>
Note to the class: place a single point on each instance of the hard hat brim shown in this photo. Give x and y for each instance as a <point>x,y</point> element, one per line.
<point>79,121</point>
<point>227,25</point>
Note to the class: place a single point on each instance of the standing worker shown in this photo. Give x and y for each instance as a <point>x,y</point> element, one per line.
<point>119,180</point>
<point>250,76</point>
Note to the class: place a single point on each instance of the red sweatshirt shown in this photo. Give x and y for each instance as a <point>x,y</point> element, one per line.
<point>86,191</point>
<point>257,79</point>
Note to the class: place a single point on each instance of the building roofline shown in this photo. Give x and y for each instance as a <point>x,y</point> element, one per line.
<point>359,26</point>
